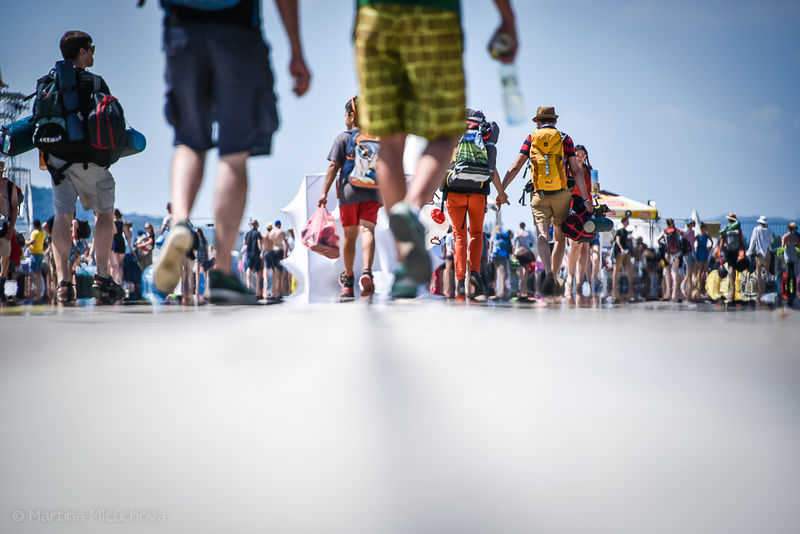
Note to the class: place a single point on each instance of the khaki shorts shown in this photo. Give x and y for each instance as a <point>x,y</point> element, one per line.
<point>763,261</point>
<point>551,208</point>
<point>94,185</point>
<point>409,62</point>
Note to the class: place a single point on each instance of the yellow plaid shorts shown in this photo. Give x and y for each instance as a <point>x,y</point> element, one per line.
<point>409,62</point>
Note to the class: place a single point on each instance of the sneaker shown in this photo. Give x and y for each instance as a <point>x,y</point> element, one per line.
<point>461,291</point>
<point>65,293</point>
<point>410,236</point>
<point>476,283</point>
<point>106,290</point>
<point>347,283</point>
<point>167,271</point>
<point>404,287</point>
<point>228,290</point>
<point>367,284</point>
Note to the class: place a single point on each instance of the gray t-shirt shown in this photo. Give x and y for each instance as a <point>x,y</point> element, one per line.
<point>347,193</point>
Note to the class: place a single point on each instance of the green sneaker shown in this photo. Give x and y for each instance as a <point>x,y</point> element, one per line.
<point>410,236</point>
<point>228,290</point>
<point>167,271</point>
<point>404,287</point>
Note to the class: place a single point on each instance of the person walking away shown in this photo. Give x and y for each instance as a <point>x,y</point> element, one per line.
<point>166,222</point>
<point>218,71</point>
<point>578,255</point>
<point>760,247</point>
<point>144,245</point>
<point>671,239</point>
<point>358,206</point>
<point>500,247</point>
<point>252,243</point>
<point>549,151</point>
<point>465,189</point>
<point>280,249</point>
<point>731,244</point>
<point>688,243</point>
<point>523,252</point>
<point>36,250</point>
<point>9,209</point>
<point>410,66</point>
<point>90,182</point>
<point>790,242</point>
<point>121,234</point>
<point>702,246</point>
<point>622,260</point>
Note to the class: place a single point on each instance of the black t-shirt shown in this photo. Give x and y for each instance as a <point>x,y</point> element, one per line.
<point>246,13</point>
<point>622,233</point>
<point>252,239</point>
<point>85,82</point>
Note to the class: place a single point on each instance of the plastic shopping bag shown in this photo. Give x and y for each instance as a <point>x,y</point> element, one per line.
<point>320,234</point>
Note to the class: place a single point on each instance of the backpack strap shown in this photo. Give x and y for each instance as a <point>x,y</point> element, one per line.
<point>56,173</point>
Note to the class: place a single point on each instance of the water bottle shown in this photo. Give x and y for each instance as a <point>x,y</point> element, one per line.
<point>512,97</point>
<point>595,183</point>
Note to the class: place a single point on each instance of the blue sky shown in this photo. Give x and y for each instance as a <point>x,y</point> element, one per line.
<point>692,104</point>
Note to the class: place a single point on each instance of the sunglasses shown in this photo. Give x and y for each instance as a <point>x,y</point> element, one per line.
<point>90,48</point>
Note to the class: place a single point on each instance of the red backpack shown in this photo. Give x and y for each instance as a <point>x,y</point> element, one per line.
<point>673,240</point>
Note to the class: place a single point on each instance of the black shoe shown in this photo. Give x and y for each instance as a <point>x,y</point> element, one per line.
<point>476,283</point>
<point>106,290</point>
<point>461,291</point>
<point>228,290</point>
<point>549,287</point>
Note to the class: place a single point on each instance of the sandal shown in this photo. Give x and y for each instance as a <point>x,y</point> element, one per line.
<point>66,292</point>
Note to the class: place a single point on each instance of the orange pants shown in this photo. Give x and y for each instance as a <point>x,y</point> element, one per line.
<point>459,206</point>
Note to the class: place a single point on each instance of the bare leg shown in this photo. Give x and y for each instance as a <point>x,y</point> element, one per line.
<point>430,171</point>
<point>349,248</point>
<point>230,198</point>
<point>543,246</point>
<point>61,245</point>
<point>103,235</point>
<point>367,244</point>
<point>187,176</point>
<point>391,176</point>
<point>558,249</point>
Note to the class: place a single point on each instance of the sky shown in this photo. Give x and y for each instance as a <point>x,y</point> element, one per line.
<point>691,104</point>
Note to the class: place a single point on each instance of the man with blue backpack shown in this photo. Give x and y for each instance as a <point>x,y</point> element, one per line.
<point>500,247</point>
<point>358,202</point>
<point>78,157</point>
<point>218,74</point>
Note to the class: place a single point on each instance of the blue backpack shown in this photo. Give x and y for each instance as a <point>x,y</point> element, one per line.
<point>503,244</point>
<point>361,155</point>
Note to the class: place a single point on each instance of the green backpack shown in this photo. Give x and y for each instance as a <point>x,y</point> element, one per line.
<point>470,169</point>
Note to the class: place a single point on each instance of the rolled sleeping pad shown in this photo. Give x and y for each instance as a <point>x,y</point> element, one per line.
<point>135,142</point>
<point>599,224</point>
<point>17,138</point>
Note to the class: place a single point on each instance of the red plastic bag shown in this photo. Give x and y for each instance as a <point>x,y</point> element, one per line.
<point>320,234</point>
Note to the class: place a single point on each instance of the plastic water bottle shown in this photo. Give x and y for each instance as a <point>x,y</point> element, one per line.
<point>512,96</point>
<point>595,183</point>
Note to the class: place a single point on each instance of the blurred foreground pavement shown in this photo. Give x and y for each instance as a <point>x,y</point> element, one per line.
<point>401,419</point>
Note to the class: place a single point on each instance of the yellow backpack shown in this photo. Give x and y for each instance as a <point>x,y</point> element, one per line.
<point>547,160</point>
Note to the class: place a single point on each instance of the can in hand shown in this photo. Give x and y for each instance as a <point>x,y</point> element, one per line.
<point>502,45</point>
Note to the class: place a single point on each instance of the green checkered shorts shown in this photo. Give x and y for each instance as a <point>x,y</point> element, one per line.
<point>409,62</point>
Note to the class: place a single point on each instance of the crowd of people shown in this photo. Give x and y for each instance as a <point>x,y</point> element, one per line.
<point>562,257</point>
<point>677,268</point>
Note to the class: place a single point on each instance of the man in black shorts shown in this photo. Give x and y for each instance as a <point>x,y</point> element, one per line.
<point>218,71</point>
<point>252,240</point>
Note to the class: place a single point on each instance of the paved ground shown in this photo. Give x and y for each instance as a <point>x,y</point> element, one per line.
<point>398,419</point>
